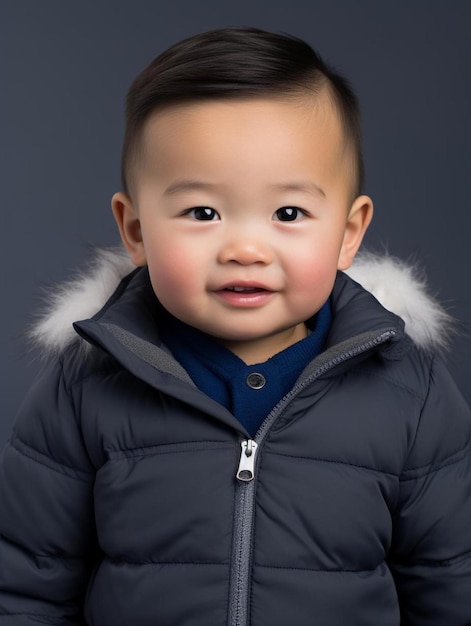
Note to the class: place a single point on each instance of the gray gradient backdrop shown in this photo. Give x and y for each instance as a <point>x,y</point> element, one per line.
<point>64,70</point>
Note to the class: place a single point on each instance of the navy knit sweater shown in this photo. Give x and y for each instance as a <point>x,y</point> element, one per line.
<point>248,391</point>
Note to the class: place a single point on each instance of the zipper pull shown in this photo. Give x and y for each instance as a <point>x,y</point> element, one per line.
<point>246,469</point>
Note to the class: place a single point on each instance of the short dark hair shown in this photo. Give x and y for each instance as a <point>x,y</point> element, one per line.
<point>233,63</point>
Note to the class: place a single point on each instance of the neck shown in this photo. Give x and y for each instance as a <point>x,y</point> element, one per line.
<point>260,350</point>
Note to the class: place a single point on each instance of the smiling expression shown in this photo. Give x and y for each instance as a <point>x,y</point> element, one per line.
<point>242,211</point>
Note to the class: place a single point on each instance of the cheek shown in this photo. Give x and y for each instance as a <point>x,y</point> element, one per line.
<point>318,276</point>
<point>172,270</point>
<point>313,273</point>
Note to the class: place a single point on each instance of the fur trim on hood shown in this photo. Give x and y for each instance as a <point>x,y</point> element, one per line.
<point>399,287</point>
<point>402,288</point>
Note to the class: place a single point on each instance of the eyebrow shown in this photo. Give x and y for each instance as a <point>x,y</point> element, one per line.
<point>199,185</point>
<point>305,187</point>
<point>188,185</point>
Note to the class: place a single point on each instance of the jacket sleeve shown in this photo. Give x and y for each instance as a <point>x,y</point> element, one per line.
<point>431,551</point>
<point>47,536</point>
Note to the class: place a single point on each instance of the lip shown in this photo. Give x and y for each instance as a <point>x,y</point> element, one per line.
<point>253,294</point>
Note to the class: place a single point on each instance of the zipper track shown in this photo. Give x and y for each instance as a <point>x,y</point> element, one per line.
<point>245,491</point>
<point>238,598</point>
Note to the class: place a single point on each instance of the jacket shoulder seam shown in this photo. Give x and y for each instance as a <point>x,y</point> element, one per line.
<point>39,457</point>
<point>430,468</point>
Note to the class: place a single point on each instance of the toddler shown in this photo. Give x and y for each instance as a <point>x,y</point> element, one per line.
<point>229,430</point>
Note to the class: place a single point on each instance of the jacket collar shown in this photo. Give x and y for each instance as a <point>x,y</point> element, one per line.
<point>130,321</point>
<point>127,328</point>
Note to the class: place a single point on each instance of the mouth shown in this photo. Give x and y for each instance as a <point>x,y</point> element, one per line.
<point>243,296</point>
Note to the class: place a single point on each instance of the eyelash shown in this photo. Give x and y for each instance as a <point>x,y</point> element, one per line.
<point>207,214</point>
<point>296,212</point>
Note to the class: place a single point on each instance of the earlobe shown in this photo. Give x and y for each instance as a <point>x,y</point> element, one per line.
<point>129,226</point>
<point>359,218</point>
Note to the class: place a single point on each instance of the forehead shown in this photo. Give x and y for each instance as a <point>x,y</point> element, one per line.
<point>315,115</point>
<point>260,137</point>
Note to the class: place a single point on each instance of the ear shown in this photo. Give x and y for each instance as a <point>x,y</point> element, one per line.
<point>359,218</point>
<point>129,226</point>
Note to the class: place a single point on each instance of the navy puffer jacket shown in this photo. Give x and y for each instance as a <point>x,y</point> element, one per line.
<point>130,498</point>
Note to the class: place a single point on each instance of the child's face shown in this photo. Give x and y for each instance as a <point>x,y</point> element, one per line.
<point>242,211</point>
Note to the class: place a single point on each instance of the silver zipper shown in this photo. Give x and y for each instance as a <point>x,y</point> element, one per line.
<point>245,494</point>
<point>246,471</point>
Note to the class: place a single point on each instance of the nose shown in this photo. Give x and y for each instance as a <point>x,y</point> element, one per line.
<point>245,248</point>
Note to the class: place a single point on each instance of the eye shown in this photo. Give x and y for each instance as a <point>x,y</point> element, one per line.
<point>203,213</point>
<point>289,214</point>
